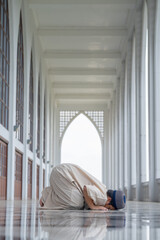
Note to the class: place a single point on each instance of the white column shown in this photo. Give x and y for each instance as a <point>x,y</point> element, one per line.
<point>27,59</point>
<point>144,99</point>
<point>105,148</point>
<point>56,136</point>
<point>52,143</point>
<point>157,89</point>
<point>111,160</point>
<point>113,141</point>
<point>119,138</point>
<point>125,128</point>
<point>41,132</point>
<point>110,148</point>
<point>129,64</point>
<point>35,126</point>
<point>151,86</point>
<point>133,118</point>
<point>138,39</point>
<point>14,23</point>
<point>47,132</point>
<point>116,135</point>
<point>25,134</point>
<point>118,131</point>
<point>121,127</point>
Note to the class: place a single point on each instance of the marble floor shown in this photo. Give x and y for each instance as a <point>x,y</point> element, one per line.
<point>25,220</point>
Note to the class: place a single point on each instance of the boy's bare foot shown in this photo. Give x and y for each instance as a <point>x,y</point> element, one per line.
<point>41,203</point>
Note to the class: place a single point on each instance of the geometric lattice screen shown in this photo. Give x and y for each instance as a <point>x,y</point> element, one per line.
<point>97,117</point>
<point>65,118</point>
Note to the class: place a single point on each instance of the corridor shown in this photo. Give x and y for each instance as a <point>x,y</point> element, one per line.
<point>65,59</point>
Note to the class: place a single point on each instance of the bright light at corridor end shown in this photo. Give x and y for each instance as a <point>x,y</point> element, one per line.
<point>81,145</point>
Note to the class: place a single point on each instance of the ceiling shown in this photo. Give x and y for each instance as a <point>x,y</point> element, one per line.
<point>82,43</point>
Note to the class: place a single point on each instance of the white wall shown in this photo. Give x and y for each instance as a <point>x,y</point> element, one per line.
<point>30,41</point>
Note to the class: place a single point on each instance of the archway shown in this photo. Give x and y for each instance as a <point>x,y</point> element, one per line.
<point>81,145</point>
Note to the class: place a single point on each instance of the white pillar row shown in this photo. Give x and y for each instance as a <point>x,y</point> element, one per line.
<point>151,88</point>
<point>121,127</point>
<point>138,46</point>
<point>129,165</point>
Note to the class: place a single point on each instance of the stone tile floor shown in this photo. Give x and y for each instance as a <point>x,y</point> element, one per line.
<point>25,220</point>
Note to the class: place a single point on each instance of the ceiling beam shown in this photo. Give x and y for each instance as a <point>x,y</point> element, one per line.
<point>82,85</point>
<point>82,71</point>
<point>82,31</point>
<point>104,96</point>
<point>81,54</point>
<point>113,3</point>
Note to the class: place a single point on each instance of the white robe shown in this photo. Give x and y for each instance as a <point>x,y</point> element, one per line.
<point>66,185</point>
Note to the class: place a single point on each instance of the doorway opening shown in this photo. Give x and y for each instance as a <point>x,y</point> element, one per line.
<point>81,145</point>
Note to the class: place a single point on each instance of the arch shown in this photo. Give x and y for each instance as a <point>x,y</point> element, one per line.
<point>72,119</point>
<point>82,145</point>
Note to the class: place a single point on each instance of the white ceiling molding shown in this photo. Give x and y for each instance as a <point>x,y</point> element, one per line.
<point>84,85</point>
<point>81,54</point>
<point>82,71</point>
<point>113,3</point>
<point>83,31</point>
<point>105,96</point>
<point>82,107</point>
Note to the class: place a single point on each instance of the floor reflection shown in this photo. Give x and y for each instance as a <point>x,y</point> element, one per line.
<point>80,224</point>
<point>25,220</point>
